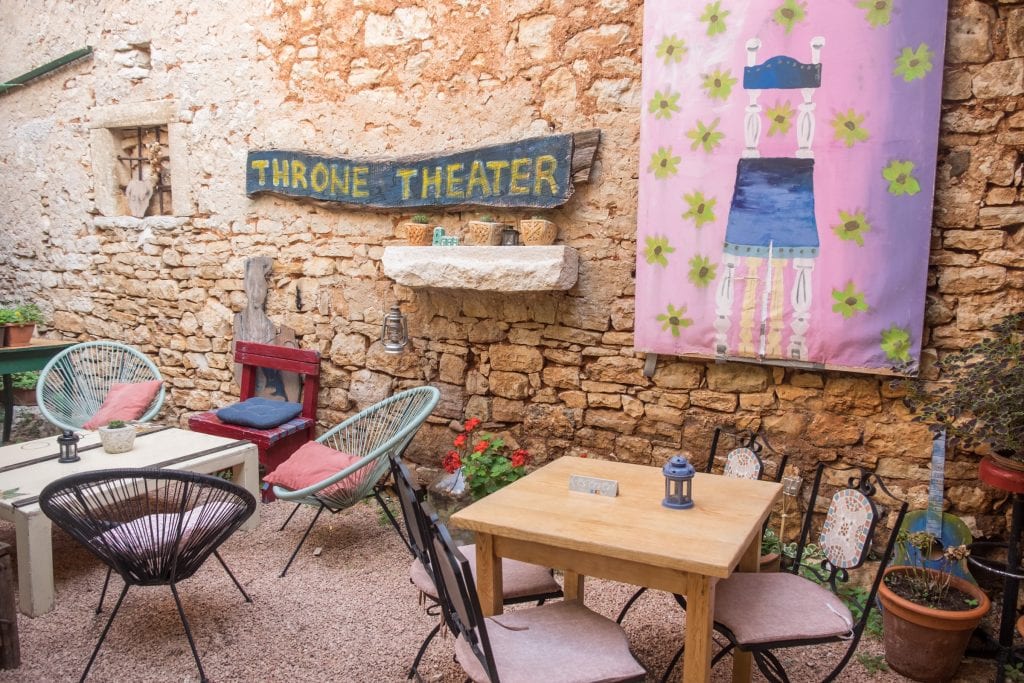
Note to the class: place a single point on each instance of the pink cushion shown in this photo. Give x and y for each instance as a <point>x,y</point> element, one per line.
<point>519,579</point>
<point>311,464</point>
<point>152,535</point>
<point>560,642</point>
<point>125,402</point>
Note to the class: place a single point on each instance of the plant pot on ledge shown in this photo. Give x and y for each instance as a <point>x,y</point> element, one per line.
<point>20,334</point>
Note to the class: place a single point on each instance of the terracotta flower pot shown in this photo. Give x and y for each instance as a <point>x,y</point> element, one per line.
<point>537,231</point>
<point>419,234</point>
<point>484,233</point>
<point>24,397</point>
<point>926,644</point>
<point>772,562</point>
<point>20,334</point>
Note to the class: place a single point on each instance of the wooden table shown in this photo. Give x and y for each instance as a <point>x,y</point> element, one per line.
<point>30,466</point>
<point>630,538</point>
<point>13,359</point>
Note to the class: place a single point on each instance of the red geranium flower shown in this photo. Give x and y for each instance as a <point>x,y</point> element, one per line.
<point>520,458</point>
<point>480,446</point>
<point>452,462</point>
<point>471,424</point>
<point>460,440</point>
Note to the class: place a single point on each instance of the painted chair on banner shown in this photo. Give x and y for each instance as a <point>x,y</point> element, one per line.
<point>771,222</point>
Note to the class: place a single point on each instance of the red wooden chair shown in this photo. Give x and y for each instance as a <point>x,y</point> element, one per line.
<point>276,444</point>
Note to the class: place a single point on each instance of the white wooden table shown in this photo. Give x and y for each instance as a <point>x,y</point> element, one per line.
<point>28,467</point>
<point>630,538</point>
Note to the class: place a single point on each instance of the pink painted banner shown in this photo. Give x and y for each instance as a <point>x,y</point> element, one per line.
<point>787,169</point>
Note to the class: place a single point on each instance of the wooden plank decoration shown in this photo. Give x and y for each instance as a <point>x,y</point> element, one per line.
<point>532,173</point>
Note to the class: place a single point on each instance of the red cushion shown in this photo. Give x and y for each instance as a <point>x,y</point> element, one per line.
<point>312,463</point>
<point>125,402</point>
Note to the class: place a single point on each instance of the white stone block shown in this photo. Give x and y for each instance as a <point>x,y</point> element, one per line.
<point>495,269</point>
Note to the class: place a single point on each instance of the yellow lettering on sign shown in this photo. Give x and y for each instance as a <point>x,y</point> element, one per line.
<point>431,181</point>
<point>518,174</point>
<point>477,176</point>
<point>339,185</point>
<point>545,171</point>
<point>406,174</point>
<point>319,177</point>
<point>299,174</point>
<point>280,172</point>
<point>359,181</point>
<point>261,166</point>
<point>496,167</point>
<point>453,182</point>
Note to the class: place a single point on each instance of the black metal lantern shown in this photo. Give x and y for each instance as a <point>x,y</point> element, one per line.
<point>394,331</point>
<point>509,236</point>
<point>678,483</point>
<point>68,442</point>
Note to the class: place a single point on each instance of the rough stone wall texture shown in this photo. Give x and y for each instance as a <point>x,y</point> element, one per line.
<point>380,77</point>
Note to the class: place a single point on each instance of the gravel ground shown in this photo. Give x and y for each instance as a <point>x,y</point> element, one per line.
<point>349,614</point>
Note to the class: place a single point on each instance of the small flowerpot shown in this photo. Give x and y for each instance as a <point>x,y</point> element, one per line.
<point>419,234</point>
<point>772,562</point>
<point>24,397</point>
<point>119,440</point>
<point>537,231</point>
<point>484,233</point>
<point>20,334</point>
<point>926,644</point>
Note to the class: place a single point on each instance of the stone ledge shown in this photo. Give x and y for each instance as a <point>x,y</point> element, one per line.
<point>132,223</point>
<point>493,269</point>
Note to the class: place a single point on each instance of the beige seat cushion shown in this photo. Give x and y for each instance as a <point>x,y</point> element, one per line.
<point>519,579</point>
<point>562,642</point>
<point>769,607</point>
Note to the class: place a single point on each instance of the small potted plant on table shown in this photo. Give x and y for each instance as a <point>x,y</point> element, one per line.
<point>20,323</point>
<point>928,614</point>
<point>117,436</point>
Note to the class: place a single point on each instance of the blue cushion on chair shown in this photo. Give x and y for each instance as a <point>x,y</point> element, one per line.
<point>259,413</point>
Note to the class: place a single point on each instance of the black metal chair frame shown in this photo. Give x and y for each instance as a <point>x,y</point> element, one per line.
<point>77,504</point>
<point>870,484</point>
<point>744,439</point>
<point>412,499</point>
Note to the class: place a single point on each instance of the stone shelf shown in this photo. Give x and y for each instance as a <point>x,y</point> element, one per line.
<point>493,269</point>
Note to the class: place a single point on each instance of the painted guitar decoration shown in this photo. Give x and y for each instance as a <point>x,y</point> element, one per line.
<point>949,529</point>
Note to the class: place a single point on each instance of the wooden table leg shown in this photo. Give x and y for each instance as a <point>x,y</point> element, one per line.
<point>488,576</point>
<point>573,586</point>
<point>700,612</point>
<point>742,664</point>
<point>8,408</point>
<point>35,563</point>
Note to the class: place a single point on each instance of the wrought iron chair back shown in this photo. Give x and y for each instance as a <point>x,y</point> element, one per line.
<point>73,385</point>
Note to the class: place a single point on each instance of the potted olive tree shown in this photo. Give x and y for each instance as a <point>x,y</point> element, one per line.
<point>928,614</point>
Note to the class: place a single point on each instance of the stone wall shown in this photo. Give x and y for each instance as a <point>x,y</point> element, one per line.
<point>380,77</point>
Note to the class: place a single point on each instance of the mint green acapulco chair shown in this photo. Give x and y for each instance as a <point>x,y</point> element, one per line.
<point>374,435</point>
<point>74,384</point>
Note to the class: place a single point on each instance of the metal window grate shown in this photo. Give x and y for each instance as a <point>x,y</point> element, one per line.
<point>145,149</point>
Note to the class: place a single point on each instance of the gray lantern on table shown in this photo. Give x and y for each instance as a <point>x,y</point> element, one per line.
<point>68,442</point>
<point>678,483</point>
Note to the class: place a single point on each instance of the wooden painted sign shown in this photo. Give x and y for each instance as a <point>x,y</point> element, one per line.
<point>532,173</point>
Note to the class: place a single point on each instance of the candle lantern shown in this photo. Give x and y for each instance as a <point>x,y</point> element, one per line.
<point>509,236</point>
<point>68,442</point>
<point>678,483</point>
<point>394,331</point>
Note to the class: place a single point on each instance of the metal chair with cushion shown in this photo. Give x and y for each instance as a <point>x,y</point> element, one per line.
<point>369,439</point>
<point>73,386</point>
<point>763,612</point>
<point>556,643</point>
<point>153,527</point>
<point>522,582</point>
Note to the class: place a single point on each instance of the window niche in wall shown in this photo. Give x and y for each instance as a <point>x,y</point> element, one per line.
<point>139,157</point>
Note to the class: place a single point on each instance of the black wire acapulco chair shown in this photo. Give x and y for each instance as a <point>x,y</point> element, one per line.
<point>523,582</point>
<point>153,527</point>
<point>763,612</point>
<point>742,462</point>
<point>555,643</point>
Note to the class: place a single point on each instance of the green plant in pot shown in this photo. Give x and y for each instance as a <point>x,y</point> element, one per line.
<point>771,551</point>
<point>485,231</point>
<point>928,614</point>
<point>487,462</point>
<point>20,322</point>
<point>418,231</point>
<point>979,396</point>
<point>24,384</point>
<point>117,436</point>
